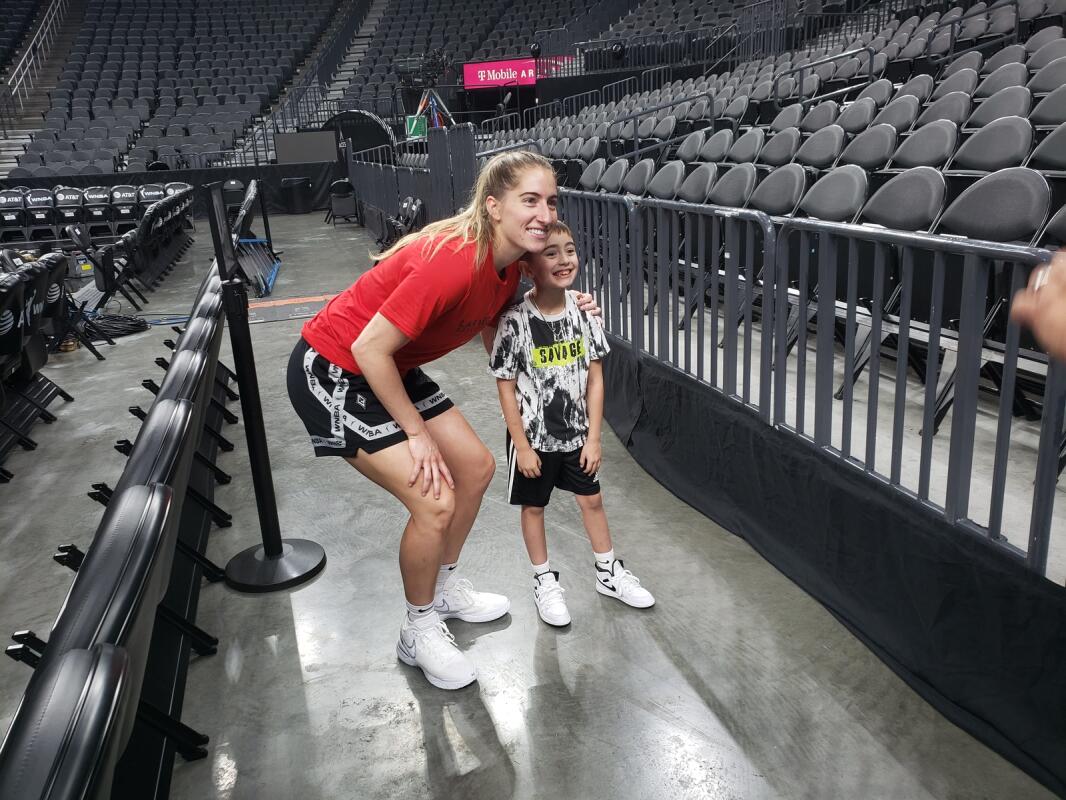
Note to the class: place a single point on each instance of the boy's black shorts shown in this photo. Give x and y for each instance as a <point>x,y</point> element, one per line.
<point>560,470</point>
<point>341,413</point>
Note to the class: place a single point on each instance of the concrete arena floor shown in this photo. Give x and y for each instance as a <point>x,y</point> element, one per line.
<point>736,685</point>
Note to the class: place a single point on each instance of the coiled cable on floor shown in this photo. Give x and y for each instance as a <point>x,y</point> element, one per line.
<point>116,325</point>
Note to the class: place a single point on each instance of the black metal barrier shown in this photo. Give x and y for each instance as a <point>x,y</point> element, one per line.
<point>144,253</point>
<point>258,261</point>
<point>101,714</point>
<point>33,317</point>
<point>636,52</point>
<point>737,333</point>
<point>381,183</point>
<point>132,606</point>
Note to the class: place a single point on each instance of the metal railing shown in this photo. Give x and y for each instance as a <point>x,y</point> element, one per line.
<point>763,29</point>
<point>325,64</point>
<point>719,50</point>
<point>613,92</point>
<point>635,52</point>
<point>771,313</point>
<point>24,73</point>
<point>504,122</point>
<point>8,113</point>
<point>937,278</point>
<point>984,42</point>
<point>534,114</point>
<point>576,102</point>
<point>307,105</point>
<point>615,128</point>
<point>809,67</point>
<point>842,27</point>
<point>598,17</point>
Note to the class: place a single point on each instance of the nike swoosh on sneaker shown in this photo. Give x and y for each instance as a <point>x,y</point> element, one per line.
<point>441,606</point>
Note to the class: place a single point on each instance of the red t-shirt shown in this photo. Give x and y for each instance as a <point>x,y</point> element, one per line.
<point>439,304</point>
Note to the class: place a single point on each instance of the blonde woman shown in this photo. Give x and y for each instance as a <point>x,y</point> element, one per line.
<point>355,379</point>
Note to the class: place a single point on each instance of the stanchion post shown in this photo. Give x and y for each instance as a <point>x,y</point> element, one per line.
<point>276,563</point>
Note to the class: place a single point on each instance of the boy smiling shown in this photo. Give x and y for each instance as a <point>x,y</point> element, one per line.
<point>546,360</point>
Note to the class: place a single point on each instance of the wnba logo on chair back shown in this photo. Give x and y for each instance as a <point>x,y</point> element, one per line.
<point>512,72</point>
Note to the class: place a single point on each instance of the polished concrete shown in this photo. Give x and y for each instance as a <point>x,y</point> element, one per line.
<point>736,685</point>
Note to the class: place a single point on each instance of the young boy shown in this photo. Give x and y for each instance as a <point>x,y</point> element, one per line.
<point>546,359</point>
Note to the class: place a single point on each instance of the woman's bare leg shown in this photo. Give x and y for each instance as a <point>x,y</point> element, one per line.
<point>437,529</point>
<point>472,467</point>
<point>423,538</point>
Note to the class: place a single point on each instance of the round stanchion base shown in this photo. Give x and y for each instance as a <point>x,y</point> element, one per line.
<point>252,570</point>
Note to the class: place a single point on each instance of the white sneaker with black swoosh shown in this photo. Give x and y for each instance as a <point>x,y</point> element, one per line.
<point>431,648</point>
<point>548,595</point>
<point>619,582</point>
<point>459,600</point>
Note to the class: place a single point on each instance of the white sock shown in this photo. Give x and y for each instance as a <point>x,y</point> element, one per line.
<point>540,569</point>
<point>421,616</point>
<point>604,559</point>
<point>442,577</point>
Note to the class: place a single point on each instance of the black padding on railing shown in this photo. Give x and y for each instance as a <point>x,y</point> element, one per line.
<point>69,726</point>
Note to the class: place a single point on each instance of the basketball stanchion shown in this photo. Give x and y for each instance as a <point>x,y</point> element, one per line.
<point>276,563</point>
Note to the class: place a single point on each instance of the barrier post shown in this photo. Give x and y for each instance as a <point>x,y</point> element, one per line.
<point>277,563</point>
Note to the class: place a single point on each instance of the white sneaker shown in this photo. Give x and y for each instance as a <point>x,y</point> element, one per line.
<point>432,649</point>
<point>460,601</point>
<point>621,583</point>
<point>548,595</point>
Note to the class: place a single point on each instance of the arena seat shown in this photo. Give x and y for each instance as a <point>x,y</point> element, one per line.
<point>66,737</point>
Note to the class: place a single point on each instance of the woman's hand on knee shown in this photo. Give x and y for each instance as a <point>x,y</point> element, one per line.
<point>429,461</point>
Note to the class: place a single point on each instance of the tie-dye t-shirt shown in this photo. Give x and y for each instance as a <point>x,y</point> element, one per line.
<point>548,357</point>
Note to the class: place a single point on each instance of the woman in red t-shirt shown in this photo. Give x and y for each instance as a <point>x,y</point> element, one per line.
<point>356,382</point>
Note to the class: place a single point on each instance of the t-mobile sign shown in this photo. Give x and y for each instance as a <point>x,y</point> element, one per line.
<point>487,74</point>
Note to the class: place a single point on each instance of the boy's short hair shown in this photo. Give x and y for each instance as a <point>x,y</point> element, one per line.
<point>558,226</point>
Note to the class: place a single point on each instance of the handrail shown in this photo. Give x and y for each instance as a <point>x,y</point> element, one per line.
<point>508,147</point>
<point>740,42</point>
<point>385,149</point>
<point>595,18</point>
<point>956,28</point>
<point>803,68</point>
<point>532,114</point>
<point>577,101</point>
<point>545,34</point>
<point>7,112</point>
<point>501,122</point>
<point>655,38</point>
<point>635,52</point>
<point>618,123</point>
<point>646,77</point>
<point>295,105</point>
<point>624,82</point>
<point>731,28</point>
<point>761,26</point>
<point>20,82</point>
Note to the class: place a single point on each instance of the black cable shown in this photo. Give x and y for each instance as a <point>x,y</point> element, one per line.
<point>116,325</point>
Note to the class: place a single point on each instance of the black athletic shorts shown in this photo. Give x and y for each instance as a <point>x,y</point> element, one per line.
<point>559,470</point>
<point>341,413</point>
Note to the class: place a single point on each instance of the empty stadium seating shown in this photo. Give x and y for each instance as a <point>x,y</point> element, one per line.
<point>179,83</point>
<point>18,17</point>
